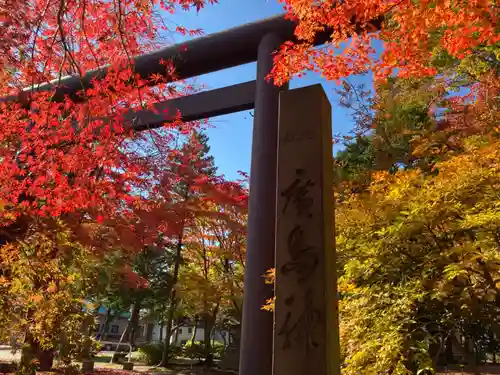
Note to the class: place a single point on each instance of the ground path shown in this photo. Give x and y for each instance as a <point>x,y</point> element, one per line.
<point>103,367</point>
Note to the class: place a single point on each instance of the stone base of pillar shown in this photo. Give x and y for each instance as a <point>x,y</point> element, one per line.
<point>128,366</point>
<point>87,365</point>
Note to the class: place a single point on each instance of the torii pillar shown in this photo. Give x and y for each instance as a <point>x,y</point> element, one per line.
<point>257,326</point>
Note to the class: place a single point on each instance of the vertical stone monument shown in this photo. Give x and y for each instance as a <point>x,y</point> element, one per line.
<point>306,317</point>
<point>231,358</point>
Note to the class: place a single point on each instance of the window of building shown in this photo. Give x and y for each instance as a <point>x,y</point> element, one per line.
<point>190,330</point>
<point>180,331</point>
<point>114,329</point>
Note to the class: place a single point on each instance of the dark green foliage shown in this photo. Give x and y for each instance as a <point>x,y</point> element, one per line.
<point>151,354</point>
<point>196,350</point>
<point>356,161</point>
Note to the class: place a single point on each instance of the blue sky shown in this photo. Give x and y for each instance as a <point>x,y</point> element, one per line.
<point>231,135</point>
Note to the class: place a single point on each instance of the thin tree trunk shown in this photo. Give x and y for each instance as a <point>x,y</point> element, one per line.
<point>176,340</point>
<point>209,324</point>
<point>104,327</point>
<point>223,334</point>
<point>442,345</point>
<point>134,320</point>
<point>161,331</point>
<point>45,359</point>
<point>173,302</point>
<point>87,342</point>
<point>195,330</point>
<point>32,351</point>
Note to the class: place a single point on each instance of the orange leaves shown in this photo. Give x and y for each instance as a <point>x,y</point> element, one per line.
<point>269,305</point>
<point>37,298</point>
<point>270,275</point>
<point>410,29</point>
<point>52,288</point>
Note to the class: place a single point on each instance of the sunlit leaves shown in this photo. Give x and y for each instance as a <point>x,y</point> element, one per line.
<point>418,249</point>
<point>45,279</point>
<point>75,155</point>
<point>409,30</point>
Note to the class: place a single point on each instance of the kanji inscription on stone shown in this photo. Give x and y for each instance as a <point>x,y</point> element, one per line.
<point>306,317</point>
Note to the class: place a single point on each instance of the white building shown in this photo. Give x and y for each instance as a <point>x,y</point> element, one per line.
<point>149,331</point>
<point>184,333</point>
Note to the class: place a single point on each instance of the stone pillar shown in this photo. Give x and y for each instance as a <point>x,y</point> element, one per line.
<point>306,318</point>
<point>257,325</point>
<point>231,358</point>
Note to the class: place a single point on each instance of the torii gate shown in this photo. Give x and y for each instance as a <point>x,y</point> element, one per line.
<point>290,203</point>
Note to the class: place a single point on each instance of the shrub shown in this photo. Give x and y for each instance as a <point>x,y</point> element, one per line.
<point>218,349</point>
<point>194,350</point>
<point>152,353</point>
<point>197,350</point>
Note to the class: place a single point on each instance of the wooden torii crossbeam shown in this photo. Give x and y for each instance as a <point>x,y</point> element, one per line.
<point>240,45</point>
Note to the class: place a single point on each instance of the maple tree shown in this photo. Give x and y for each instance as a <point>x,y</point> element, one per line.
<point>73,161</point>
<point>418,255</point>
<point>211,281</point>
<point>60,156</point>
<point>184,184</point>
<point>416,224</point>
<point>412,34</point>
<point>44,281</point>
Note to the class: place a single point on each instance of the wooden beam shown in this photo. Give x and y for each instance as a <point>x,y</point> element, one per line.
<point>194,107</point>
<point>210,53</point>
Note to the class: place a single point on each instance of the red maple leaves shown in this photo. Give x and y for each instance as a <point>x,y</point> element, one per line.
<point>76,155</point>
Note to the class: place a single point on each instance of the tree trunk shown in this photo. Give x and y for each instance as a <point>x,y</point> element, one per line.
<point>437,356</point>
<point>209,325</point>
<point>104,329</point>
<point>450,359</point>
<point>32,351</point>
<point>223,334</point>
<point>149,332</point>
<point>176,340</point>
<point>134,321</point>
<point>87,342</point>
<point>173,302</point>
<point>207,341</point>
<point>28,356</point>
<point>195,330</point>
